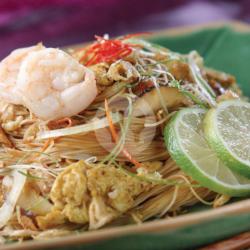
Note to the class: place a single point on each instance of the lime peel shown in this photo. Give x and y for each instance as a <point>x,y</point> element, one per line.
<point>200,162</point>
<point>230,139</point>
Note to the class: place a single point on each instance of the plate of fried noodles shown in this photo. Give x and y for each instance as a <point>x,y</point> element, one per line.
<point>83,152</point>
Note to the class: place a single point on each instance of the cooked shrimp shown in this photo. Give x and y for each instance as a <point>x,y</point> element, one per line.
<point>9,69</point>
<point>54,85</point>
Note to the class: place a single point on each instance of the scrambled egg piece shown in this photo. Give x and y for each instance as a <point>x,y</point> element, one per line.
<point>12,116</point>
<point>100,71</point>
<point>94,194</point>
<point>52,219</point>
<point>180,70</point>
<point>69,195</point>
<point>117,188</point>
<point>123,71</point>
<point>113,193</point>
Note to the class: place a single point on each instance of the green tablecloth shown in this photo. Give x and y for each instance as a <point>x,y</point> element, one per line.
<point>223,49</point>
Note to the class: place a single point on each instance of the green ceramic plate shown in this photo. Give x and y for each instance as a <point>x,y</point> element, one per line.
<point>225,49</point>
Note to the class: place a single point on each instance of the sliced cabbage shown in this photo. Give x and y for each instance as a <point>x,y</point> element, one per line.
<point>17,183</point>
<point>30,200</point>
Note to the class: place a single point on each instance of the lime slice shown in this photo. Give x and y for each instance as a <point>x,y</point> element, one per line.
<point>187,145</point>
<point>227,129</point>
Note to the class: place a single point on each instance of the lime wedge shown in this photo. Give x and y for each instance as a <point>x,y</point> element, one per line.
<point>186,143</point>
<point>227,129</point>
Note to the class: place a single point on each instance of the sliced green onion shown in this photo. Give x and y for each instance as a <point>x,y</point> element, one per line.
<point>23,167</point>
<point>30,176</point>
<point>30,152</point>
<point>200,81</point>
<point>152,180</point>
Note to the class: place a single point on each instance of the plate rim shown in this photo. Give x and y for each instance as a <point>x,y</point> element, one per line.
<point>235,25</point>
<point>161,225</point>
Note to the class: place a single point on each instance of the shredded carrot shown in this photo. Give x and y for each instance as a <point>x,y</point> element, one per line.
<point>116,138</point>
<point>46,144</point>
<point>111,125</point>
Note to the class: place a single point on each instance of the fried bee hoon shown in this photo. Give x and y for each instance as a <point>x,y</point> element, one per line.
<point>82,135</point>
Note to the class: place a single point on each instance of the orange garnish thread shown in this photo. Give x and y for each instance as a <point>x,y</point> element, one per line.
<point>46,145</point>
<point>116,138</point>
